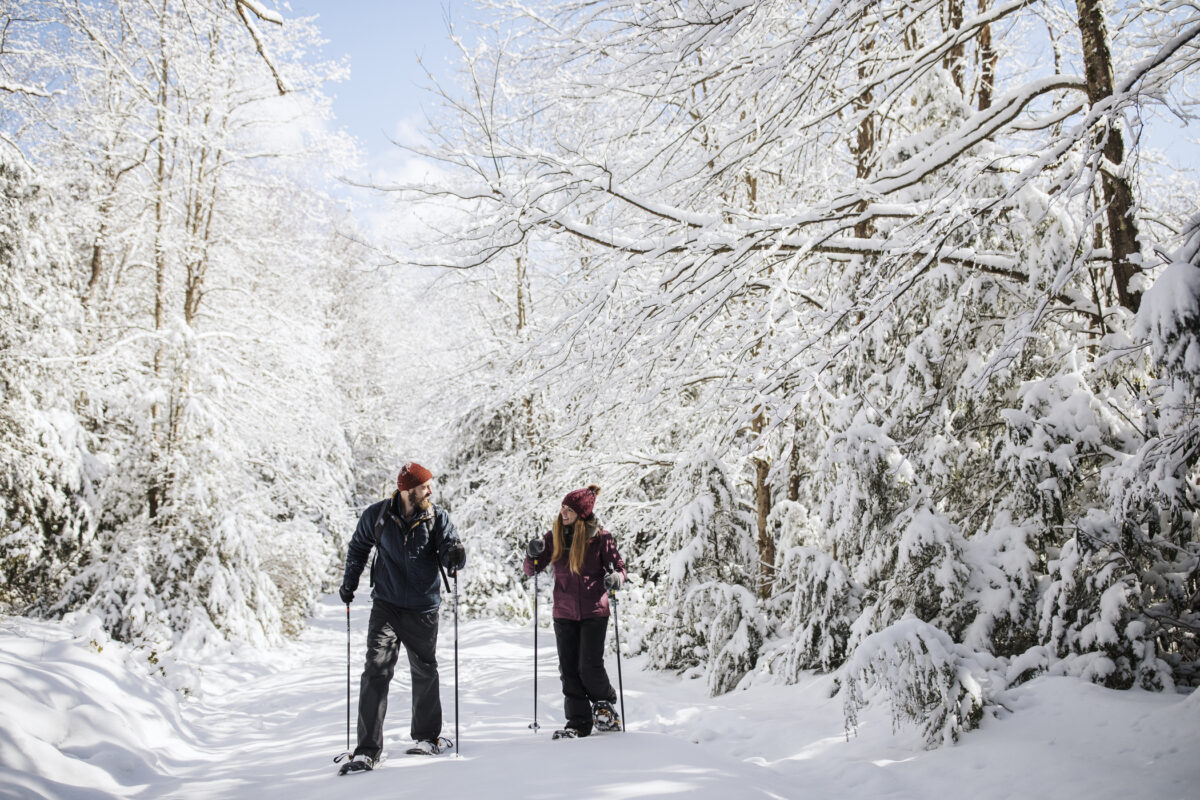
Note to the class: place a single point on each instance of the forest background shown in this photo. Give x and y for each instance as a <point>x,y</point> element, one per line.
<point>878,322</point>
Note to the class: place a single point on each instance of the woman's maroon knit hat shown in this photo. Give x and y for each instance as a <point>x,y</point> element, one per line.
<point>581,501</point>
<point>411,476</point>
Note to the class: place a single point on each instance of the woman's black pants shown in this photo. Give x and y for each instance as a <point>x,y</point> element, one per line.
<point>581,667</point>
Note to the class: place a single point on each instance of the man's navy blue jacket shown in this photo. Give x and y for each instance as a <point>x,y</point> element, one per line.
<point>407,554</point>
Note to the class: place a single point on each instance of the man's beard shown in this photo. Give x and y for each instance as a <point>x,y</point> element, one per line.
<point>423,503</point>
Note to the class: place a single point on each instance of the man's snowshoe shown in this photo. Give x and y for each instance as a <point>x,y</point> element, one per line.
<point>605,717</point>
<point>425,747</point>
<point>358,763</point>
<point>565,733</point>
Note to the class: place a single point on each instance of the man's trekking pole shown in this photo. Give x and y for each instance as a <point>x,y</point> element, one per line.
<point>347,676</point>
<point>456,753</point>
<point>617,630</point>
<point>446,582</point>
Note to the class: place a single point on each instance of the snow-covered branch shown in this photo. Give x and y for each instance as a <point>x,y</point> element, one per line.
<point>259,43</point>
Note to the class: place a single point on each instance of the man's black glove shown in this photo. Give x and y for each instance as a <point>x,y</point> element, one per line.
<point>612,581</point>
<point>456,557</point>
<point>536,547</point>
<point>347,594</point>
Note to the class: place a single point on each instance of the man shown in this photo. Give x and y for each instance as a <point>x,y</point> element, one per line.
<point>411,537</point>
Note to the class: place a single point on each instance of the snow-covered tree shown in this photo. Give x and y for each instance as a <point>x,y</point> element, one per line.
<point>881,261</point>
<point>45,512</point>
<point>208,304</point>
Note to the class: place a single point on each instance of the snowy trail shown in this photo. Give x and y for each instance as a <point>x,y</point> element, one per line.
<point>78,723</point>
<point>273,735</point>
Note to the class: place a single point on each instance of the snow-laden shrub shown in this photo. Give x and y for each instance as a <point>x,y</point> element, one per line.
<point>46,514</point>
<point>296,558</point>
<point>926,678</point>
<point>499,498</point>
<point>247,523</point>
<point>631,613</point>
<point>821,607</point>
<point>1156,490</point>
<point>930,575</point>
<point>1093,528</point>
<point>1000,602</point>
<point>728,627</point>
<point>905,554</point>
<point>869,480</point>
<point>706,584</point>
<point>1169,315</point>
<point>1052,444</point>
<point>1091,615</point>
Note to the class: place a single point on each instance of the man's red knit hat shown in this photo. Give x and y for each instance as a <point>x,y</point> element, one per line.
<point>581,501</point>
<point>411,476</point>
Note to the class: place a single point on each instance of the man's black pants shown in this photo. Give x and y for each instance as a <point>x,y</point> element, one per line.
<point>581,667</point>
<point>389,628</point>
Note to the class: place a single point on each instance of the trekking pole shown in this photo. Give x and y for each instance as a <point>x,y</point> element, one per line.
<point>456,753</point>
<point>617,630</point>
<point>534,725</point>
<point>347,676</point>
<point>446,581</point>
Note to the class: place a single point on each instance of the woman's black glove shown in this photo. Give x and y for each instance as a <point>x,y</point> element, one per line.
<point>347,594</point>
<point>536,547</point>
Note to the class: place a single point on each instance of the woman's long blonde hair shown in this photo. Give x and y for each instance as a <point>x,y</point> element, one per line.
<point>579,539</point>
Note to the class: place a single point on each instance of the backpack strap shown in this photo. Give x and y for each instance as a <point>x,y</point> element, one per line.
<point>379,523</point>
<point>375,539</point>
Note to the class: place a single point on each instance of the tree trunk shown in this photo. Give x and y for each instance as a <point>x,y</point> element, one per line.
<point>766,542</point>
<point>1118,194</point>
<point>863,146</point>
<point>522,295</point>
<point>794,477</point>
<point>762,502</point>
<point>157,487</point>
<point>97,263</point>
<point>861,150</point>
<point>200,227</point>
<point>956,58</point>
<point>987,62</point>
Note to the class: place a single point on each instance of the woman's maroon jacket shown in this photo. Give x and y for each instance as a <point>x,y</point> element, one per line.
<point>581,596</point>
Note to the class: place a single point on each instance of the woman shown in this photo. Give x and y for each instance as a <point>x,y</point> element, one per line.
<point>586,565</point>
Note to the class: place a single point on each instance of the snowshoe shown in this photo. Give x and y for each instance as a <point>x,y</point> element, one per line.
<point>566,733</point>
<point>425,747</point>
<point>605,717</point>
<point>358,763</point>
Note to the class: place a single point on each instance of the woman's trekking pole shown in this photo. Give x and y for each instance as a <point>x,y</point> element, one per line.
<point>534,724</point>
<point>617,630</point>
<point>347,676</point>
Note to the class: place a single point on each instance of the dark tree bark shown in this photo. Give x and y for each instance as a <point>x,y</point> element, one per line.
<point>987,63</point>
<point>1118,194</point>
<point>762,502</point>
<point>955,59</point>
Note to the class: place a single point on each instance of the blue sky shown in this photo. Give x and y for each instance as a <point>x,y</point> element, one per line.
<point>383,39</point>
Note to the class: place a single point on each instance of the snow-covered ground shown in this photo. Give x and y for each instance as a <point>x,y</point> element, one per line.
<point>79,718</point>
